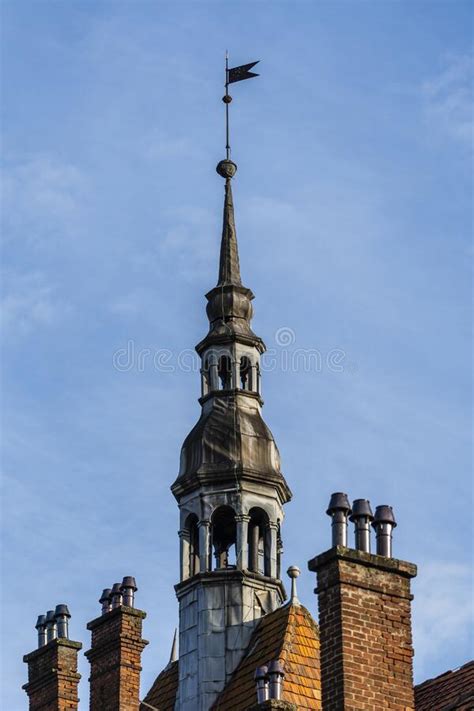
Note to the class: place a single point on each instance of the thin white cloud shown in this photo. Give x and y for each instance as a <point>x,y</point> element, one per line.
<point>448,98</point>
<point>29,302</point>
<point>42,198</point>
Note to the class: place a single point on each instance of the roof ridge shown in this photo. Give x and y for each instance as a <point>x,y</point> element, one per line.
<point>290,631</point>
<point>444,674</point>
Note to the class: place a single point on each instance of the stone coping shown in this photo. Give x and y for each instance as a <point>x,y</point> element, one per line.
<point>369,560</point>
<point>123,609</point>
<point>230,574</point>
<point>58,642</point>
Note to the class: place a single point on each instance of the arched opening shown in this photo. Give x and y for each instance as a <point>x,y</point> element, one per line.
<point>225,372</point>
<point>259,544</point>
<point>193,548</point>
<point>223,536</point>
<point>246,373</point>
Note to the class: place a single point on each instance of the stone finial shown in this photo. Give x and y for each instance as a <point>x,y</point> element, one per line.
<point>293,572</point>
<point>226,169</point>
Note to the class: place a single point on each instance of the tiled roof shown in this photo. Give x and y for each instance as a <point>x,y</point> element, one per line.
<point>290,635</point>
<point>162,694</point>
<point>452,691</point>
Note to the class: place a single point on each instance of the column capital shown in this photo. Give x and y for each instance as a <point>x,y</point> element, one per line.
<point>204,522</point>
<point>242,518</point>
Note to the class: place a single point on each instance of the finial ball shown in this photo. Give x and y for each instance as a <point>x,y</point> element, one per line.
<point>226,168</point>
<point>293,571</point>
<point>227,99</point>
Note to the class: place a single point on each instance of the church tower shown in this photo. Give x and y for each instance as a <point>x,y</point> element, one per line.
<point>230,492</point>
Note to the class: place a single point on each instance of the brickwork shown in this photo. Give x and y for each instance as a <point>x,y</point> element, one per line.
<point>365,631</point>
<point>115,657</point>
<point>52,676</point>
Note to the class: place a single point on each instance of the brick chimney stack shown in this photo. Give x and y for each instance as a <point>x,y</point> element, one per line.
<point>52,668</point>
<point>365,621</point>
<point>115,652</point>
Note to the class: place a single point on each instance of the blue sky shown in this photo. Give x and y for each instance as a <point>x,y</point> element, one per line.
<point>354,224</point>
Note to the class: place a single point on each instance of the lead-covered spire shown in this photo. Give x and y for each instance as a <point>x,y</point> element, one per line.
<point>229,267</point>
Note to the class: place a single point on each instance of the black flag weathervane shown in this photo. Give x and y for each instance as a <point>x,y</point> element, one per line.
<point>231,76</point>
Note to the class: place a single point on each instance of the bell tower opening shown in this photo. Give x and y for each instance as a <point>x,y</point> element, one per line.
<point>224,536</point>
<point>225,372</point>
<point>259,542</point>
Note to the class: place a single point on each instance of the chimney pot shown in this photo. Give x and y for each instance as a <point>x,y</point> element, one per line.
<point>116,596</point>
<point>62,615</point>
<point>51,628</point>
<point>128,590</point>
<point>276,674</point>
<point>362,516</point>
<point>105,600</point>
<point>41,627</point>
<point>261,677</point>
<point>339,509</point>
<point>384,523</point>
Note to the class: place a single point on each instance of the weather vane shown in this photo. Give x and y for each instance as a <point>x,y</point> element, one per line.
<point>231,76</point>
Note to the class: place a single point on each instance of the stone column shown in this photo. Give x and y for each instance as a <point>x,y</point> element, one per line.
<point>235,377</point>
<point>242,543</point>
<point>204,545</point>
<point>52,676</point>
<point>204,383</point>
<point>115,657</point>
<point>184,554</point>
<point>213,376</point>
<point>254,540</point>
<point>271,565</point>
<point>365,627</point>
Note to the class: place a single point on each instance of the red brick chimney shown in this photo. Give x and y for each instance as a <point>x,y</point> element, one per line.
<point>364,617</point>
<point>115,652</point>
<point>52,668</point>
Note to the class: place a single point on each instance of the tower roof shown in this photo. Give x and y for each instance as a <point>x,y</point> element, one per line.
<point>231,440</point>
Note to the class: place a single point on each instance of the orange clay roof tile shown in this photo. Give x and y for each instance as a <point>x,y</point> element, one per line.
<point>290,634</point>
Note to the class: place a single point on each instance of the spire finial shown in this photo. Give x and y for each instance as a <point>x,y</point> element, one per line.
<point>231,76</point>
<point>293,572</point>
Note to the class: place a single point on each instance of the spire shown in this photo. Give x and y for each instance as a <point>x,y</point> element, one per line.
<point>229,268</point>
<point>174,649</point>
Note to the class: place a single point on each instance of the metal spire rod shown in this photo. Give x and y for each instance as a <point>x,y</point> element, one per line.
<point>231,76</point>
<point>227,99</point>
